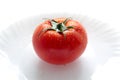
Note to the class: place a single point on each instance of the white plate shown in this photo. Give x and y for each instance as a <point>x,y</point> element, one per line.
<point>103,43</point>
<point>9,71</point>
<point>108,71</point>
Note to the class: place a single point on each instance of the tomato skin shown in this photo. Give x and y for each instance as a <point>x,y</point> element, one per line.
<point>55,48</point>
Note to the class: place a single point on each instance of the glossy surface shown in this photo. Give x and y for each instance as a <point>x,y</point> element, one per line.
<point>57,48</point>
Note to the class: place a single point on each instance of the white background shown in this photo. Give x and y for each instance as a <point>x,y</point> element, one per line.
<point>107,11</point>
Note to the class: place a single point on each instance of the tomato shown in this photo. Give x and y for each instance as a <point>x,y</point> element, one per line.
<point>60,40</point>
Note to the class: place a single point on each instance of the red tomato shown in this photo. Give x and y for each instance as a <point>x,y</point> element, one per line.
<point>60,40</point>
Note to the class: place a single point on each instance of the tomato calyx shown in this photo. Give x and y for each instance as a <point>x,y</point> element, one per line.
<point>59,27</point>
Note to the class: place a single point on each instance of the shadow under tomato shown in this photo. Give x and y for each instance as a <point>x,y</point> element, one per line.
<point>77,70</point>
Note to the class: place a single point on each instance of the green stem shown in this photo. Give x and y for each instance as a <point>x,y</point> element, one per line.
<point>60,27</point>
